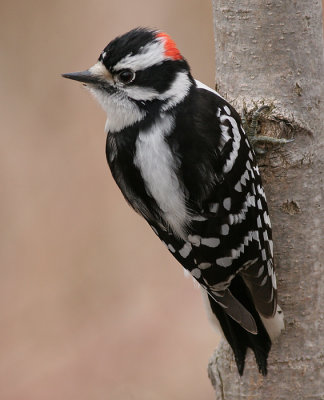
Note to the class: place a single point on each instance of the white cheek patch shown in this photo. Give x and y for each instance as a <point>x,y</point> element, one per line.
<point>141,93</point>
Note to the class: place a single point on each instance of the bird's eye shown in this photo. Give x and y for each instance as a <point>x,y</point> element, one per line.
<point>126,76</point>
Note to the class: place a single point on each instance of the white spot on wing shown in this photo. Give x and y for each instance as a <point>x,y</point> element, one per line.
<point>224,262</point>
<point>235,253</point>
<point>225,137</point>
<point>261,191</point>
<point>236,143</point>
<point>259,223</point>
<point>194,239</point>
<point>271,247</point>
<point>238,187</point>
<point>196,273</point>
<point>204,265</point>
<point>263,254</point>
<point>227,110</point>
<point>259,204</point>
<point>227,203</point>
<point>266,219</point>
<point>251,200</point>
<point>199,218</point>
<point>245,177</point>
<point>210,242</point>
<point>185,251</point>
<point>171,248</point>
<point>239,217</point>
<point>255,235</point>
<point>253,188</point>
<point>224,229</point>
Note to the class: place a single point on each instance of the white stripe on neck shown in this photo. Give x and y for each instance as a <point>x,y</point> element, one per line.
<point>177,92</point>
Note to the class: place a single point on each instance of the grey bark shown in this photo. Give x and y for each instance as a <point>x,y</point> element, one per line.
<point>271,52</point>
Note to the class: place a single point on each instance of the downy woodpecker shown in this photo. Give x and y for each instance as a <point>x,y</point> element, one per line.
<point>179,154</point>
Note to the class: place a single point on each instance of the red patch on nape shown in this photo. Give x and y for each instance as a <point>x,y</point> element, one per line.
<point>170,48</point>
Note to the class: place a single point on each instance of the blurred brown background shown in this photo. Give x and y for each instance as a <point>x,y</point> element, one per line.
<point>92,306</point>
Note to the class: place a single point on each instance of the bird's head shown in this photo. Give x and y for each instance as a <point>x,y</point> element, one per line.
<point>136,71</point>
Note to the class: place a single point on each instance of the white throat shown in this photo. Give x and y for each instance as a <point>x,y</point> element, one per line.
<point>121,112</point>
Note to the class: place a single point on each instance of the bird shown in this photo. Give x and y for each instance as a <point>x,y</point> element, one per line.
<point>180,156</point>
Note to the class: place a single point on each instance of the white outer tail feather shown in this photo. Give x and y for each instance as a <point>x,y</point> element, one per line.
<point>274,325</point>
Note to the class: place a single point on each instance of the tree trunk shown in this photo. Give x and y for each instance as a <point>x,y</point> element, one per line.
<point>271,52</point>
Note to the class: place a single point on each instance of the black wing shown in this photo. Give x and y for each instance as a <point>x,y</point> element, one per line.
<point>230,232</point>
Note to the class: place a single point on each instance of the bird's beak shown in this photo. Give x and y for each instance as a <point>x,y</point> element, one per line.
<point>82,76</point>
<point>94,75</point>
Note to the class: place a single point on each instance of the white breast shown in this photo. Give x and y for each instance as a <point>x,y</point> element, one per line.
<point>158,166</point>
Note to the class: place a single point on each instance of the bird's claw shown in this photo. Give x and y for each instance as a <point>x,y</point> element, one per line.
<point>254,137</point>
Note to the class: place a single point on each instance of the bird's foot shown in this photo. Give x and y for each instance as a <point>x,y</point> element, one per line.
<point>252,130</point>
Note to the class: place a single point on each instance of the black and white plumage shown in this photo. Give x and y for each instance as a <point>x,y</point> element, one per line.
<point>178,153</point>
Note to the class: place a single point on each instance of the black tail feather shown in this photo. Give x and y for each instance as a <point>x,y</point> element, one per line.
<point>238,338</point>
